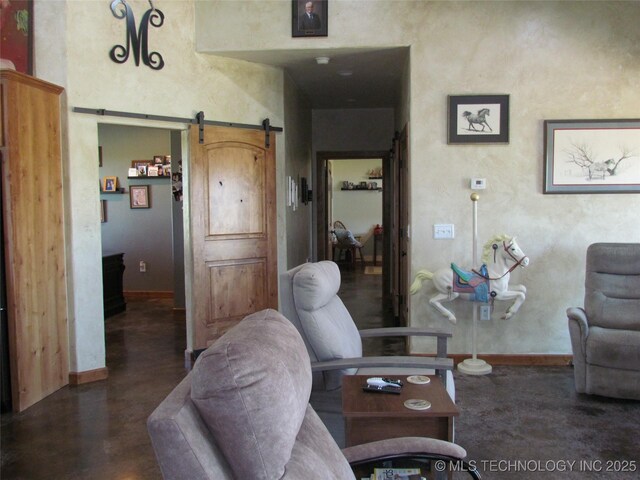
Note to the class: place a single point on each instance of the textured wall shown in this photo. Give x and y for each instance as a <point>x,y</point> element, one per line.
<point>556,60</point>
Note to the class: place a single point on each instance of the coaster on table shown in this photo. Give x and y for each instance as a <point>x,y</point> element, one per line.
<point>417,404</point>
<point>418,379</point>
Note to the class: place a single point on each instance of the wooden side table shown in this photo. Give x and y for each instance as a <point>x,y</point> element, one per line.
<point>378,416</point>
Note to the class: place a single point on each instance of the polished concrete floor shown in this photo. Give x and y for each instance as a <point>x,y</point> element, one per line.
<point>97,431</point>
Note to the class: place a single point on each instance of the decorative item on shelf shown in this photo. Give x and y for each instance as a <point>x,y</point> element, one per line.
<point>137,41</point>
<point>110,184</point>
<point>151,168</point>
<point>139,196</point>
<point>375,173</point>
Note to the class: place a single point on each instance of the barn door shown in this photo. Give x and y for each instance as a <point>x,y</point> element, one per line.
<point>233,215</point>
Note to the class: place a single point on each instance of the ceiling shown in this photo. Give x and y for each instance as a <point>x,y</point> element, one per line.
<point>353,78</point>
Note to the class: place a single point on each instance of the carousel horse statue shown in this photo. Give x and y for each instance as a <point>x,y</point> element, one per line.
<point>500,256</point>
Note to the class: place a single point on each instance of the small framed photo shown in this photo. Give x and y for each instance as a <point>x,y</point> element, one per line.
<point>152,170</point>
<point>133,172</point>
<point>592,156</point>
<point>139,196</point>
<point>158,159</point>
<point>141,166</point>
<point>478,119</point>
<point>110,184</point>
<point>309,18</point>
<point>166,170</point>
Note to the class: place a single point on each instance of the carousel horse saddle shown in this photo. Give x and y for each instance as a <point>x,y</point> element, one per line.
<point>473,283</point>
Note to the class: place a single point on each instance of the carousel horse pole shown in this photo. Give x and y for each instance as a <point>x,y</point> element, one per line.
<point>475,365</point>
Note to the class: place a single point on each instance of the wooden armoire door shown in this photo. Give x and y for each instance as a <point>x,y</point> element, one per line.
<point>233,215</point>
<point>34,238</point>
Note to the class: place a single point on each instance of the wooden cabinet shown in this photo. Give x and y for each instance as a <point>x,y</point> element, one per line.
<point>112,271</point>
<point>33,220</point>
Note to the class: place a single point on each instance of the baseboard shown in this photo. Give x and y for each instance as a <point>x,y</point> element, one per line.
<point>538,359</point>
<point>78,378</point>
<point>133,294</point>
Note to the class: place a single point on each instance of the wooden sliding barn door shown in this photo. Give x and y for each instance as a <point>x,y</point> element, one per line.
<point>233,212</point>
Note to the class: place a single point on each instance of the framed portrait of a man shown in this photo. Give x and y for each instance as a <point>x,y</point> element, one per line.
<point>309,18</point>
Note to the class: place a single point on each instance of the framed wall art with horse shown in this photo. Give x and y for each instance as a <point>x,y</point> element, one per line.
<point>478,119</point>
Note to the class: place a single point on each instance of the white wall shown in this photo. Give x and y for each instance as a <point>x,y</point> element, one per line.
<point>556,60</point>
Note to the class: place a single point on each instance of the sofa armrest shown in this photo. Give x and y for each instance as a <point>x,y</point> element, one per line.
<point>578,332</point>
<point>406,447</point>
<point>578,328</point>
<point>435,363</point>
<point>442,335</point>
<point>405,332</point>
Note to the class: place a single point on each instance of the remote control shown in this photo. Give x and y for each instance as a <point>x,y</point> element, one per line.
<point>383,382</point>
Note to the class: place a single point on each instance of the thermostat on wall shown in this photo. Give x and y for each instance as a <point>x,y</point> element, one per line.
<point>478,183</point>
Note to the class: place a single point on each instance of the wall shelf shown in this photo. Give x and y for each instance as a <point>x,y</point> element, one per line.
<point>146,177</point>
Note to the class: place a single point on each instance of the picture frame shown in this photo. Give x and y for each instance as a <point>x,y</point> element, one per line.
<point>139,196</point>
<point>591,156</point>
<point>158,159</point>
<point>141,166</point>
<point>313,23</point>
<point>474,119</point>
<point>110,184</point>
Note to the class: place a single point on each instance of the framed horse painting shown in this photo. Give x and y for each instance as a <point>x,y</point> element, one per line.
<point>478,119</point>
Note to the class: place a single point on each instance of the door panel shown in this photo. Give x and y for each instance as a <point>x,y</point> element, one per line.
<point>234,229</point>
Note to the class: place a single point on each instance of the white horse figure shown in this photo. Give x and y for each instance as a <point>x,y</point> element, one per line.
<point>501,255</point>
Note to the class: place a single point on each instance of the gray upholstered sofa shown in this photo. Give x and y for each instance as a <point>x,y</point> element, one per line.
<point>243,413</point>
<point>605,334</point>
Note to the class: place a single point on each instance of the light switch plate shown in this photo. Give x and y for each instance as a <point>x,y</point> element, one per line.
<point>443,231</point>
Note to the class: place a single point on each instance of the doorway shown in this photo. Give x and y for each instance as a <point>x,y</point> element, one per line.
<point>324,204</point>
<point>143,159</point>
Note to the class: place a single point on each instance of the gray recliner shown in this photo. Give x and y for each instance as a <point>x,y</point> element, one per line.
<point>309,299</point>
<point>243,413</point>
<point>605,334</point>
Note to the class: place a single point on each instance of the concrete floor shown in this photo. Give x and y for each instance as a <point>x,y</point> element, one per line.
<point>97,431</point>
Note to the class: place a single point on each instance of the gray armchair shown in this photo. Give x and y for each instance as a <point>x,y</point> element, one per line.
<point>605,334</point>
<point>243,413</point>
<point>309,299</point>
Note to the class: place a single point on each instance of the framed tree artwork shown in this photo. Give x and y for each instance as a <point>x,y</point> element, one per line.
<point>592,156</point>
